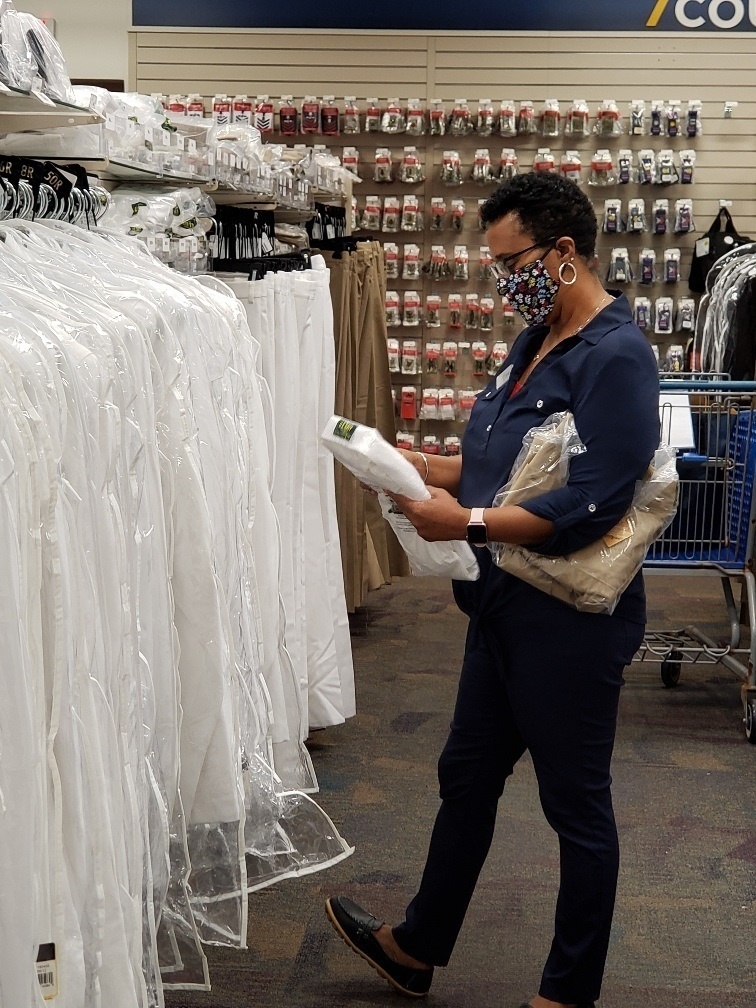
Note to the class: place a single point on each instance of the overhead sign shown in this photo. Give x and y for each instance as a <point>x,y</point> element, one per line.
<point>474,15</point>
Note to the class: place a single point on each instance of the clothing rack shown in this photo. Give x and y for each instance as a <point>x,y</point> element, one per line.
<point>33,189</point>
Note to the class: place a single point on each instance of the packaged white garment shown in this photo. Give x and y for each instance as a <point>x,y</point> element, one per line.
<point>377,464</point>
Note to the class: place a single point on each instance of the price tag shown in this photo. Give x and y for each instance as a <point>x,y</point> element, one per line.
<point>183,245</point>
<point>180,141</point>
<point>47,971</point>
<point>266,244</point>
<point>166,243</point>
<point>151,243</point>
<point>149,136</point>
<point>191,146</point>
<point>193,244</point>
<point>110,123</point>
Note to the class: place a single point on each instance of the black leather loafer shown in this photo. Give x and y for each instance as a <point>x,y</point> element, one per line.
<point>356,926</point>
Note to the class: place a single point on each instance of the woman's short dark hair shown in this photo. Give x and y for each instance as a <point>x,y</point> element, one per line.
<point>548,206</point>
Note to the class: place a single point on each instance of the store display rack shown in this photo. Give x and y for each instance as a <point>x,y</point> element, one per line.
<point>22,111</point>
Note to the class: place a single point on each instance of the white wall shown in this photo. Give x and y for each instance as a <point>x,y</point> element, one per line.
<point>93,34</point>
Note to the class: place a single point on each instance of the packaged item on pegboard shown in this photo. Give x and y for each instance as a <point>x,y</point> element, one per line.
<point>508,119</point>
<point>454,302</point>
<point>437,213</point>
<point>672,117</point>
<point>437,267</point>
<point>527,121</point>
<point>409,357</point>
<point>429,408</point>
<point>608,120</point>
<point>479,356</point>
<point>406,440</point>
<point>619,266</point>
<point>684,221</point>
<point>487,306</point>
<point>411,312</point>
<point>657,118</point>
<point>451,356</point>
<point>433,358</point>
<point>391,215</point>
<point>642,312</point>
<point>481,223</point>
<point>508,315</point>
<point>509,164</point>
<point>329,116</point>
<point>613,222</point>
<point>637,118</point>
<point>485,263</point>
<point>223,110</point>
<point>391,260</point>
<point>472,311</point>
<point>663,311</point>
<point>373,116</point>
<point>602,169</point>
<point>452,445</point>
<point>309,119</point>
<point>647,266</point>
<point>393,316</point>
<point>672,260</point>
<point>437,118</point>
<point>408,405</point>
<point>578,120</point>
<point>394,355</point>
<point>693,124</point>
<point>195,106</point>
<point>461,119</point>
<point>383,169</point>
<point>451,168</point>
<point>394,119</point>
<point>674,359</point>
<point>354,215</point>
<point>685,321</point>
<point>461,269</point>
<point>350,123</point>
<point>415,118</point>
<point>371,215</point>
<point>412,218</point>
<point>499,353</point>
<point>433,311</point>
<point>411,269</point>
<point>458,211</point>
<point>431,444</point>
<point>411,169</point>
<point>481,169</point>
<point>625,167</point>
<point>447,405</point>
<point>466,401</point>
<point>288,117</point>
<point>544,161</point>
<point>572,166</point>
<point>666,169</point>
<point>660,217</point>
<point>551,119</point>
<point>646,167</point>
<point>351,160</point>
<point>263,118</point>
<point>636,216</point>
<point>687,166</point>
<point>486,120</point>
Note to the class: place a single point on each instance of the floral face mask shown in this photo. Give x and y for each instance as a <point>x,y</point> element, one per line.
<point>531,290</point>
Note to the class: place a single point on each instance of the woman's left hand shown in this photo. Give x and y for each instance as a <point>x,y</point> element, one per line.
<point>440,519</point>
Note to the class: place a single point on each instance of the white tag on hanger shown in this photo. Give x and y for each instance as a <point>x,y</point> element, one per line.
<point>266,244</point>
<point>702,246</point>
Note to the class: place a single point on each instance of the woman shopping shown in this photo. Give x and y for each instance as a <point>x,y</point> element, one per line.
<point>537,675</point>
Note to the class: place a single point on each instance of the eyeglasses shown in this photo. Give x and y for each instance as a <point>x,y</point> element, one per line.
<point>503,268</point>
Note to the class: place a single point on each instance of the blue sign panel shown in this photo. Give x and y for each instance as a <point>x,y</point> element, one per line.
<point>474,15</point>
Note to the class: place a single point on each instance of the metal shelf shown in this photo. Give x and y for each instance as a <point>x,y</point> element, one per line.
<point>18,106</point>
<point>113,170</point>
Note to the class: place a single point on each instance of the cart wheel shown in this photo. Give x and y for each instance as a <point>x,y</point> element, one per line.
<point>750,720</point>
<point>670,669</point>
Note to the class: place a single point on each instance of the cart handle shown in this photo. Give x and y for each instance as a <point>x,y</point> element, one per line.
<point>706,386</point>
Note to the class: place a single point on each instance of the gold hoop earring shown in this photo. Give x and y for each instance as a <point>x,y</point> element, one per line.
<point>568,283</point>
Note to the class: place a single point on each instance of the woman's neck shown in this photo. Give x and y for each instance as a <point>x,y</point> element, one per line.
<point>577,308</point>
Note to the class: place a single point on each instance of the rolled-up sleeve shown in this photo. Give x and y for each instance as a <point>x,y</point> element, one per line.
<point>616,410</point>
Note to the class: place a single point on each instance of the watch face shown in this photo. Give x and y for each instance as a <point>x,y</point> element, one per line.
<point>477,535</point>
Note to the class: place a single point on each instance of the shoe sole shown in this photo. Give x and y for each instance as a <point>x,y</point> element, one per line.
<point>371,962</point>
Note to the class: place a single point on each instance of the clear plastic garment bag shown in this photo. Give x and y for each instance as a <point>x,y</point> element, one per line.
<point>149,669</point>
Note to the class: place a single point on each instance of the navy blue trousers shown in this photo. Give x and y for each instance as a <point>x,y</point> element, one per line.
<point>541,677</point>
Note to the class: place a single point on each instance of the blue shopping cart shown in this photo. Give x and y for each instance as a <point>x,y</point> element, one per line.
<point>713,424</point>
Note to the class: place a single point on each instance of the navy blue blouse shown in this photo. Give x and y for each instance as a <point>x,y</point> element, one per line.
<point>607,377</point>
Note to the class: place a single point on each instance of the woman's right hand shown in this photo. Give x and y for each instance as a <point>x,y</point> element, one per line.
<point>415,459</point>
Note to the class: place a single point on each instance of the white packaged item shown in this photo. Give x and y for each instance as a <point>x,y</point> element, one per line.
<point>572,166</point>
<point>636,216</point>
<point>613,222</point>
<point>379,465</point>
<point>664,311</point>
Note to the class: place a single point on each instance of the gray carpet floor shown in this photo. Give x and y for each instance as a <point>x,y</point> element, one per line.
<point>685,794</point>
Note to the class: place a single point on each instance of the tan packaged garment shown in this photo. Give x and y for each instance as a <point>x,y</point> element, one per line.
<point>593,578</point>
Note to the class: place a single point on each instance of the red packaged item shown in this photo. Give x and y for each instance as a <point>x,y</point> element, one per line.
<point>263,113</point>
<point>310,122</point>
<point>287,117</point>
<point>195,107</point>
<point>329,117</point>
<point>177,104</point>
<point>222,107</point>
<point>373,116</point>
<point>408,408</point>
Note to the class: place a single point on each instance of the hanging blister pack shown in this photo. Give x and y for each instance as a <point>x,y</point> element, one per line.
<point>479,356</point>
<point>411,169</point>
<point>625,167</point>
<point>636,216</point>
<point>687,166</point>
<point>412,219</point>
<point>637,118</point>
<point>693,125</point>
<point>551,119</point>
<point>350,123</point>
<point>666,170</point>
<point>508,119</point>
<point>509,165</point>
<point>437,267</point>
<point>646,167</point>
<point>487,308</point>
<point>578,122</point>
<point>486,118</point>
<point>673,115</point>
<point>508,314</point>
<point>472,311</point>
<point>674,359</point>
<point>288,117</point>
<point>310,116</point>
<point>481,169</point>
<point>647,266</point>
<point>452,445</point>
<point>409,357</point>
<point>642,312</point>
<point>437,118</point>
<point>672,259</point>
<point>373,116</point>
<point>608,120</point>
<point>461,263</point>
<point>663,312</point>
<point>415,118</point>
<point>371,215</point>
<point>447,407</point>
<point>619,266</point>
<point>351,160</point>
<point>394,119</point>
<point>451,355</point>
<point>461,119</point>
<point>411,313</point>
<point>383,169</point>
<point>429,408</point>
<point>329,116</point>
<point>432,314</point>
<point>544,161</point>
<point>526,119</point>
<point>467,399</point>
<point>572,166</point>
<point>458,212</point>
<point>602,169</point>
<point>391,215</point>
<point>684,221</point>
<point>394,356</point>
<point>481,223</point>
<point>657,118</point>
<point>454,302</point>
<point>411,269</point>
<point>485,263</point>
<point>391,260</point>
<point>408,407</point>
<point>499,354</point>
<point>431,445</point>
<point>660,224</point>
<point>437,213</point>
<point>451,168</point>
<point>433,352</point>
<point>686,315</point>
<point>613,222</point>
<point>393,318</point>
<point>406,440</point>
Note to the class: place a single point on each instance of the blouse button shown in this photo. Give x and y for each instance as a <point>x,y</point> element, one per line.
<point>539,404</point>
<point>591,508</point>
<point>489,427</point>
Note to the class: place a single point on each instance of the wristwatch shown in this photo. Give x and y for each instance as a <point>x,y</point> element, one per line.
<point>477,533</point>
